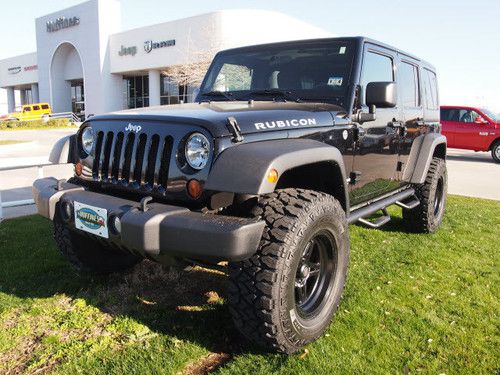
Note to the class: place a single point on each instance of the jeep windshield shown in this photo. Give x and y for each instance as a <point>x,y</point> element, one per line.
<point>313,71</point>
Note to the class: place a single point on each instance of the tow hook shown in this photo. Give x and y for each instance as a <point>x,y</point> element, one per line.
<point>143,205</point>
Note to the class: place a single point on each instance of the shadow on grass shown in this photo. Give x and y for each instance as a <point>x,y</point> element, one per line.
<point>188,305</point>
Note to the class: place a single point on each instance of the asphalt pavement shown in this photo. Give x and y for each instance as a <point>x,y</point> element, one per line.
<point>470,173</point>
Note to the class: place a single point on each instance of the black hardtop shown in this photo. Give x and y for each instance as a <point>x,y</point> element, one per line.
<point>357,40</point>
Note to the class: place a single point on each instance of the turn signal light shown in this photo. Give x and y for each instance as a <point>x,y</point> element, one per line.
<point>78,169</point>
<point>272,176</point>
<point>194,188</point>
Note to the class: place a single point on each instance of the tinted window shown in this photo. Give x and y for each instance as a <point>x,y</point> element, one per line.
<point>36,108</point>
<point>445,114</point>
<point>377,68</point>
<point>408,85</point>
<point>430,89</point>
<point>466,115</point>
<point>27,109</point>
<point>45,106</point>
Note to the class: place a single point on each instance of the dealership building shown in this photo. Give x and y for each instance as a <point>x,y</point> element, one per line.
<point>86,64</point>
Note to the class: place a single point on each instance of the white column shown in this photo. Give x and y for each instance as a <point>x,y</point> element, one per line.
<point>34,93</point>
<point>11,99</point>
<point>22,96</point>
<point>154,87</point>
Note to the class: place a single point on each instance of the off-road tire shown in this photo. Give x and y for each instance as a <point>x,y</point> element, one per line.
<point>262,290</point>
<point>428,215</point>
<point>89,255</point>
<point>495,151</point>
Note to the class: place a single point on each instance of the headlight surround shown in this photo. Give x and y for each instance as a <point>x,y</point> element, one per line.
<point>197,151</point>
<point>87,139</point>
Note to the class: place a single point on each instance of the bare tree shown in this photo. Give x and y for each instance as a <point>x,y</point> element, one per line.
<point>197,60</point>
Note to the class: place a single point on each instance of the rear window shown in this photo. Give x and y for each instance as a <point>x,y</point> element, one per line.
<point>429,81</point>
<point>45,106</point>
<point>408,84</point>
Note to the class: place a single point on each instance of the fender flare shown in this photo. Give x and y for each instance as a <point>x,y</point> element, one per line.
<point>63,150</point>
<point>243,169</point>
<point>421,154</point>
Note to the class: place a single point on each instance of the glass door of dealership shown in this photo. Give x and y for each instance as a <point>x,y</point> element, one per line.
<point>78,99</point>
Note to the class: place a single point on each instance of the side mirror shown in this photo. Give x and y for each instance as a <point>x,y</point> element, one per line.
<point>381,94</point>
<point>479,120</point>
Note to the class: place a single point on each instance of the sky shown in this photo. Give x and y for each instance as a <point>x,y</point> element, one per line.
<point>461,38</point>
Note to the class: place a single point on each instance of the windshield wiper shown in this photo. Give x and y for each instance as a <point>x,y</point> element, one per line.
<point>287,95</point>
<point>216,93</point>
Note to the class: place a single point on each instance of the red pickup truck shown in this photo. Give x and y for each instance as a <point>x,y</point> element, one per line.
<point>471,128</point>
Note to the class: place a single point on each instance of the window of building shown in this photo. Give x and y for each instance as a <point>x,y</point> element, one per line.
<point>78,98</point>
<point>169,91</point>
<point>377,68</point>
<point>136,91</point>
<point>408,84</point>
<point>173,93</point>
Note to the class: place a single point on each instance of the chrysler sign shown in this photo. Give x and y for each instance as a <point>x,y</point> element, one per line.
<point>149,45</point>
<point>62,23</point>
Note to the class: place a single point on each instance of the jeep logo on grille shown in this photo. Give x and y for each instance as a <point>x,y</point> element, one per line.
<point>133,128</point>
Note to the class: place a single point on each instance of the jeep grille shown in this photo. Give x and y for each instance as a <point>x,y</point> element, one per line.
<point>132,159</point>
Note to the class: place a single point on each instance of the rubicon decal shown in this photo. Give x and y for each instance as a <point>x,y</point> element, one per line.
<point>285,123</point>
<point>90,218</point>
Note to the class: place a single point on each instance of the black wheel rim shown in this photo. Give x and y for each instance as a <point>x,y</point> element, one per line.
<point>315,272</point>
<point>438,199</point>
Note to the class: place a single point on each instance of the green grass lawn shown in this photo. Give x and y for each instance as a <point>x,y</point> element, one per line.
<point>58,123</point>
<point>413,303</point>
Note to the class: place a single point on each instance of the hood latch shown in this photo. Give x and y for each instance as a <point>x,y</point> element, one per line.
<point>234,128</point>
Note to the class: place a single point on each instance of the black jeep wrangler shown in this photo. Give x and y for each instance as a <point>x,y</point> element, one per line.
<point>287,145</point>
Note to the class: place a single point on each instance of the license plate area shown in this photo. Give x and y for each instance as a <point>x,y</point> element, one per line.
<point>91,219</point>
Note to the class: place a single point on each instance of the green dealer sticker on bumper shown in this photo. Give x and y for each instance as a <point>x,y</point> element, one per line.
<point>91,219</point>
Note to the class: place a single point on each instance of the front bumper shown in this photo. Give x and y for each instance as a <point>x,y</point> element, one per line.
<point>162,230</point>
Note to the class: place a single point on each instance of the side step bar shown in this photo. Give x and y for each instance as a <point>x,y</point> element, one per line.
<point>361,213</point>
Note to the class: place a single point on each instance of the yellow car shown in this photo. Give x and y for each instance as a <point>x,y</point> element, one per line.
<point>28,112</point>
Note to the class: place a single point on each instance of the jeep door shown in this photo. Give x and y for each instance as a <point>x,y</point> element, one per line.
<point>375,160</point>
<point>413,113</point>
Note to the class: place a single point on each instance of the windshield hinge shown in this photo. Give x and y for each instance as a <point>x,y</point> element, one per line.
<point>234,128</point>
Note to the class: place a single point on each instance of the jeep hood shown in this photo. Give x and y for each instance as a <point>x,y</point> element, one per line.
<point>252,117</point>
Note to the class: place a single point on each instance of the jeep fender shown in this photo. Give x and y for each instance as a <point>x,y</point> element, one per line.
<point>421,154</point>
<point>62,151</point>
<point>243,169</point>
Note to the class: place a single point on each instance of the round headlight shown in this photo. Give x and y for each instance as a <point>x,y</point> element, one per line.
<point>197,150</point>
<point>87,139</point>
